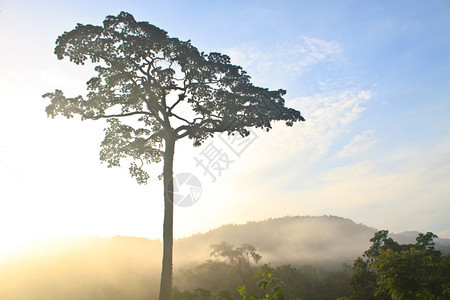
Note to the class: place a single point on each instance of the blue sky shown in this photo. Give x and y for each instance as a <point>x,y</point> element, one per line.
<point>372,78</point>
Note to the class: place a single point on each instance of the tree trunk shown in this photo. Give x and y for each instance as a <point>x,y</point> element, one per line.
<point>166,273</point>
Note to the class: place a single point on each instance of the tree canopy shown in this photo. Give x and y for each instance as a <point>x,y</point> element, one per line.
<point>389,270</point>
<point>161,81</point>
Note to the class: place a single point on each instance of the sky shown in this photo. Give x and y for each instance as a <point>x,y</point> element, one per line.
<point>372,79</point>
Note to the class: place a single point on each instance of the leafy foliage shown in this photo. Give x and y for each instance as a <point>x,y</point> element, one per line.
<point>196,294</point>
<point>389,270</point>
<point>272,287</point>
<point>236,255</point>
<point>228,274</point>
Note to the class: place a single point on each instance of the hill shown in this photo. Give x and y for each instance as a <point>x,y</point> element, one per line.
<point>288,240</point>
<point>117,267</point>
<point>317,240</point>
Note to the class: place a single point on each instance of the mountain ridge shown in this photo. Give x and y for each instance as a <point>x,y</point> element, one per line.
<point>311,239</point>
<point>120,266</point>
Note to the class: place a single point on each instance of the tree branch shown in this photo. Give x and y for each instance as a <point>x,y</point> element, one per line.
<point>122,115</point>
<point>211,121</point>
<point>180,98</point>
<point>155,135</point>
<point>182,127</point>
<point>180,136</point>
<point>179,118</point>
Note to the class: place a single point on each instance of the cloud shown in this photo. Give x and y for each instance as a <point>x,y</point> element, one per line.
<point>285,154</point>
<point>359,144</point>
<point>444,234</point>
<point>292,57</point>
<point>397,195</point>
<point>278,162</point>
<point>385,193</point>
<point>327,118</point>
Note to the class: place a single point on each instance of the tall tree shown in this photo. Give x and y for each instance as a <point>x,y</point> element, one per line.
<point>166,90</point>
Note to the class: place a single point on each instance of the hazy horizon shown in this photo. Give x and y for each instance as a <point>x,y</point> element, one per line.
<point>371,79</point>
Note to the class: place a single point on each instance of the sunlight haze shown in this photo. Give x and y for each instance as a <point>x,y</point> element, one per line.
<point>371,78</point>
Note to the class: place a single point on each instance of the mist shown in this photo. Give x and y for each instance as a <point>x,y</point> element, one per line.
<point>83,268</point>
<point>129,267</point>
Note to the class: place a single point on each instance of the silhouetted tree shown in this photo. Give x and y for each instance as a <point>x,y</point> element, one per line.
<point>240,258</point>
<point>236,255</point>
<point>167,90</point>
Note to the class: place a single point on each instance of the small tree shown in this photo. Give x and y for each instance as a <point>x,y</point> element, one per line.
<point>240,258</point>
<point>236,255</point>
<point>167,90</point>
